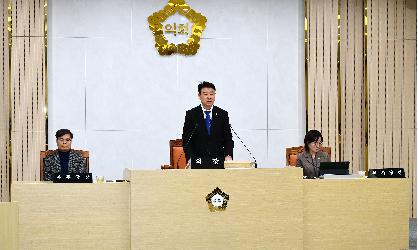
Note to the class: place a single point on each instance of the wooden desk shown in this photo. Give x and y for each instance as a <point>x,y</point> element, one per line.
<point>356,214</point>
<point>72,216</point>
<point>8,226</point>
<point>267,209</point>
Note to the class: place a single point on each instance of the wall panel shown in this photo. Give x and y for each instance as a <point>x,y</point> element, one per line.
<point>392,82</point>
<point>5,105</point>
<point>28,88</point>
<point>322,85</point>
<point>352,84</point>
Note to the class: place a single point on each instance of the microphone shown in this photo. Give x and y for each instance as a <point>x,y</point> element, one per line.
<point>255,161</point>
<point>187,144</point>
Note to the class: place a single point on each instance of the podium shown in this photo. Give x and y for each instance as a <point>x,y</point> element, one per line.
<point>264,210</point>
<point>261,209</point>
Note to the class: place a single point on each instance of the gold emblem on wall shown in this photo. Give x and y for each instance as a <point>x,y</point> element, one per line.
<point>217,200</point>
<point>189,28</point>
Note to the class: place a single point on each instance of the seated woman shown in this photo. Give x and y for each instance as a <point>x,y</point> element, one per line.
<point>64,160</point>
<point>310,159</point>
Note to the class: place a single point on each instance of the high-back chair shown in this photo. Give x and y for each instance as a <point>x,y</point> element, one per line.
<point>177,156</point>
<point>292,154</point>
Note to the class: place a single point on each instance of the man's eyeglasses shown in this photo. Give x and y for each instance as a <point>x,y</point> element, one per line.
<point>65,139</point>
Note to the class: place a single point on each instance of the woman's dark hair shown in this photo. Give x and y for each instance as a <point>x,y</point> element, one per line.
<point>312,136</point>
<point>205,85</point>
<point>63,132</point>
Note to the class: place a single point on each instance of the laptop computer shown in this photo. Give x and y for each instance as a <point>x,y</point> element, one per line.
<point>207,162</point>
<point>338,168</point>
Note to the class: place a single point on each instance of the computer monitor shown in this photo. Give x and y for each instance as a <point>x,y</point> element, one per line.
<point>338,168</point>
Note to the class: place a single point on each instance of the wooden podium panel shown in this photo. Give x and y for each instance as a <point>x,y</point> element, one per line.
<point>72,216</point>
<point>8,225</point>
<point>169,210</point>
<point>267,209</point>
<point>356,214</point>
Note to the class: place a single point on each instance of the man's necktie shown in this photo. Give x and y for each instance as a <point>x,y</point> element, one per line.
<point>207,121</point>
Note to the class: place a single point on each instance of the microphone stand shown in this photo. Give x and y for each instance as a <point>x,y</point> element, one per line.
<point>255,161</point>
<point>186,145</point>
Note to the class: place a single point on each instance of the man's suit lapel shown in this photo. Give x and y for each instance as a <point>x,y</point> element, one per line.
<point>215,119</point>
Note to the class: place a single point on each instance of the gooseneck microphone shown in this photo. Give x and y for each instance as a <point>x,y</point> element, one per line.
<point>255,161</point>
<point>187,144</point>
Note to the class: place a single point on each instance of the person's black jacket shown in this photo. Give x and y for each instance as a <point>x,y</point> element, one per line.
<point>219,143</point>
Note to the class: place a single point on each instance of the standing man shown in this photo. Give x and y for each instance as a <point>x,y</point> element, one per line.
<point>206,130</point>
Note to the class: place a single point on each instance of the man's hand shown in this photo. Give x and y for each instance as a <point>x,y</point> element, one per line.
<point>228,158</point>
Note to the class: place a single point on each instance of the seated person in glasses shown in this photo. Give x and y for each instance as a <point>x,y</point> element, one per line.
<point>310,159</point>
<point>64,160</point>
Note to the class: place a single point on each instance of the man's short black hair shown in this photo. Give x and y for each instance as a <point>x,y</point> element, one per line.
<point>312,136</point>
<point>205,84</point>
<point>62,132</point>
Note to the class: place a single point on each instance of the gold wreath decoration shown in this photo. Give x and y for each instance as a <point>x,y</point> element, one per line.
<point>156,26</point>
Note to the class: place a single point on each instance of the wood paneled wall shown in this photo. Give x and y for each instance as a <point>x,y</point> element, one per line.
<point>391,81</point>
<point>322,70</point>
<point>375,79</point>
<point>23,91</point>
<point>5,105</point>
<point>352,98</point>
<point>28,88</point>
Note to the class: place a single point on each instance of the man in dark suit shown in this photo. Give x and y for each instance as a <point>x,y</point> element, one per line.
<point>206,130</point>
